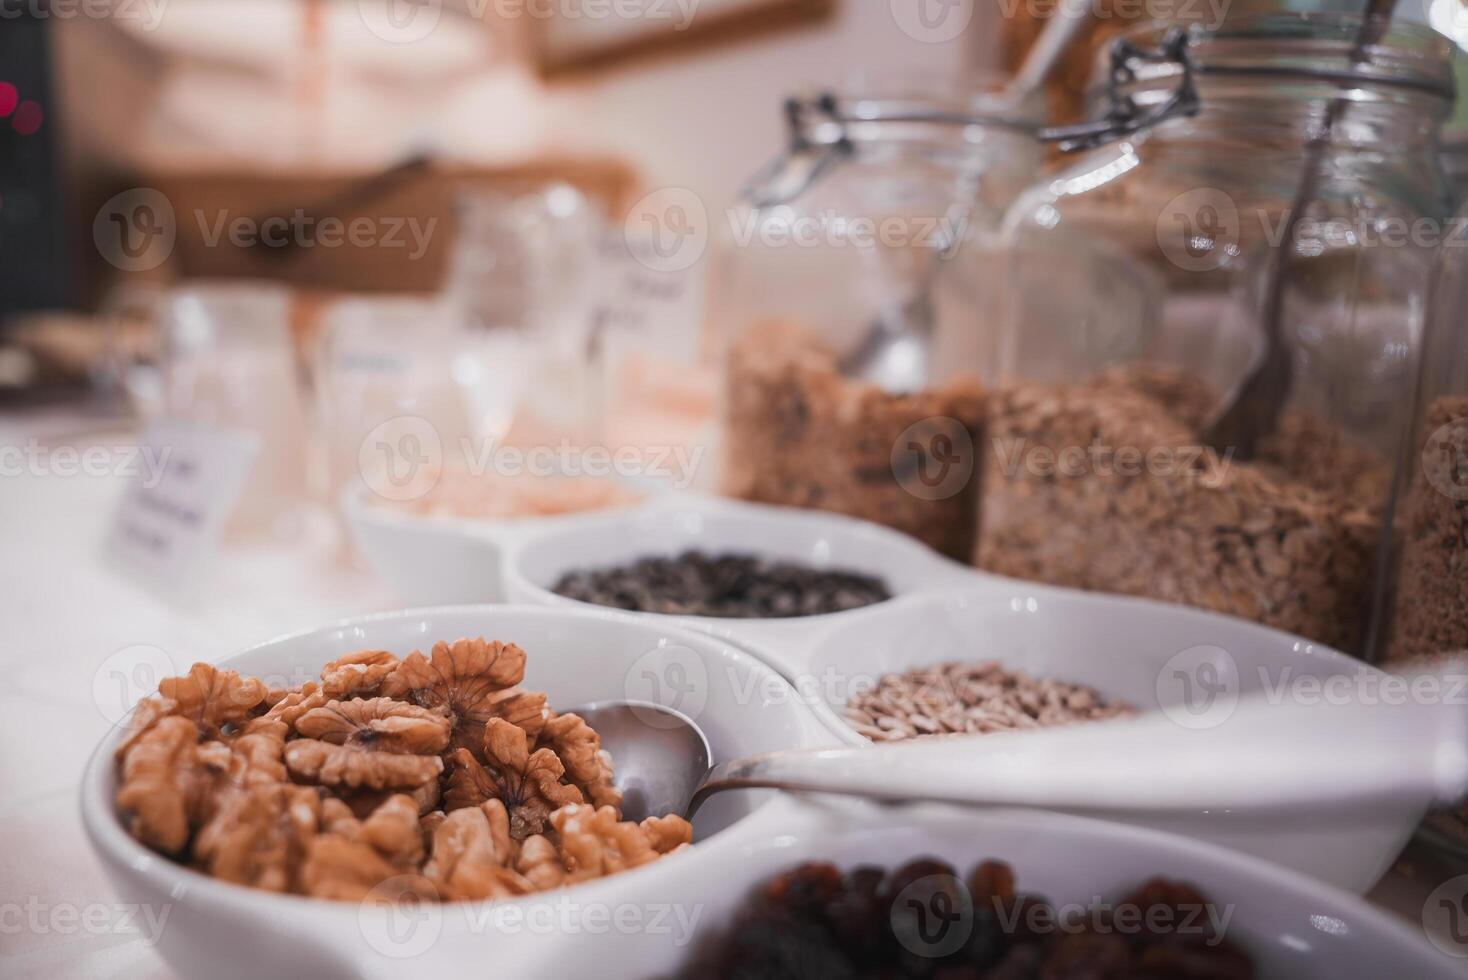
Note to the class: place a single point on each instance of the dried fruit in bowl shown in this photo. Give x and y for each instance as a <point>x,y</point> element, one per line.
<point>923,920</point>
<point>330,789</point>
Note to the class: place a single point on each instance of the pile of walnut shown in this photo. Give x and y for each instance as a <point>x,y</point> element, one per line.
<point>438,774</point>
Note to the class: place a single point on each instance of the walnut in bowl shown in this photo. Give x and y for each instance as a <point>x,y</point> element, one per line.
<point>253,783</point>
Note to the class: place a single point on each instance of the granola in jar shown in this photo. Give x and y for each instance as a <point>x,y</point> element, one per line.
<point>1106,486</point>
<point>799,434</point>
<point>1430,614</point>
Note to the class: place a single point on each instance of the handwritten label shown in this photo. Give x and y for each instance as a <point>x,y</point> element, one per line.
<point>167,524</point>
<point>643,306</point>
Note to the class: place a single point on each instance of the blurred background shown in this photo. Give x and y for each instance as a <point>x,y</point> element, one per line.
<point>435,206</point>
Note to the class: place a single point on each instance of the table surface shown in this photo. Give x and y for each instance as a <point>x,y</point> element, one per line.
<point>71,619</point>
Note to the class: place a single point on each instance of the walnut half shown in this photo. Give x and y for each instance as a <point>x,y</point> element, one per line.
<point>378,744</point>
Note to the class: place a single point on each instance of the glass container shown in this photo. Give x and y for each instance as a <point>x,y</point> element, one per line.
<point>1429,597</point>
<point>829,302</point>
<point>1211,326</point>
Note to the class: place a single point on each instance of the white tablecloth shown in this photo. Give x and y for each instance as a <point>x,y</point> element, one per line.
<point>63,613</point>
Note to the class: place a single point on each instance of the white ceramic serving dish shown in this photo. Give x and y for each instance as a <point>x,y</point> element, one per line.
<point>1294,928</point>
<point>437,560</point>
<point>1154,656</point>
<point>535,561</point>
<point>575,656</point>
<point>639,924</point>
<point>434,560</point>
<point>1144,652</point>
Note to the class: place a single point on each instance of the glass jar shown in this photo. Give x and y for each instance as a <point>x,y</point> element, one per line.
<point>828,302</point>
<point>1429,601</point>
<point>1212,326</point>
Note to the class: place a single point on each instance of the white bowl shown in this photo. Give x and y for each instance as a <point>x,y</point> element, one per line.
<point>1294,928</point>
<point>434,560</point>
<point>576,657</point>
<point>536,561</point>
<point>1135,650</point>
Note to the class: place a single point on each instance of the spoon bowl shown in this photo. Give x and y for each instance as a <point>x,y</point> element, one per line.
<point>1339,754</point>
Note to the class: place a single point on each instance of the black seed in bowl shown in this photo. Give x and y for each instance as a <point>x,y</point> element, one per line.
<point>727,586</point>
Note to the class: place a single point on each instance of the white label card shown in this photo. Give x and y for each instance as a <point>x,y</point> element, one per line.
<point>167,524</point>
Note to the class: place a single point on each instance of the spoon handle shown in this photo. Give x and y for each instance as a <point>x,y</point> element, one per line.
<point>1262,757</point>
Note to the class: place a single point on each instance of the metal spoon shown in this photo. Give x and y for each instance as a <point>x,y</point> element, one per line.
<point>895,351</point>
<point>1263,757</point>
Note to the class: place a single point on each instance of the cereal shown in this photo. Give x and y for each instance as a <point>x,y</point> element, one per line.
<point>329,789</point>
<point>1289,539</point>
<point>816,921</point>
<point>799,434</point>
<point>1431,600</point>
<point>724,586</point>
<point>955,698</point>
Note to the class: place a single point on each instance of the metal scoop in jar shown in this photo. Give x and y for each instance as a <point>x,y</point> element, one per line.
<point>1263,757</point>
